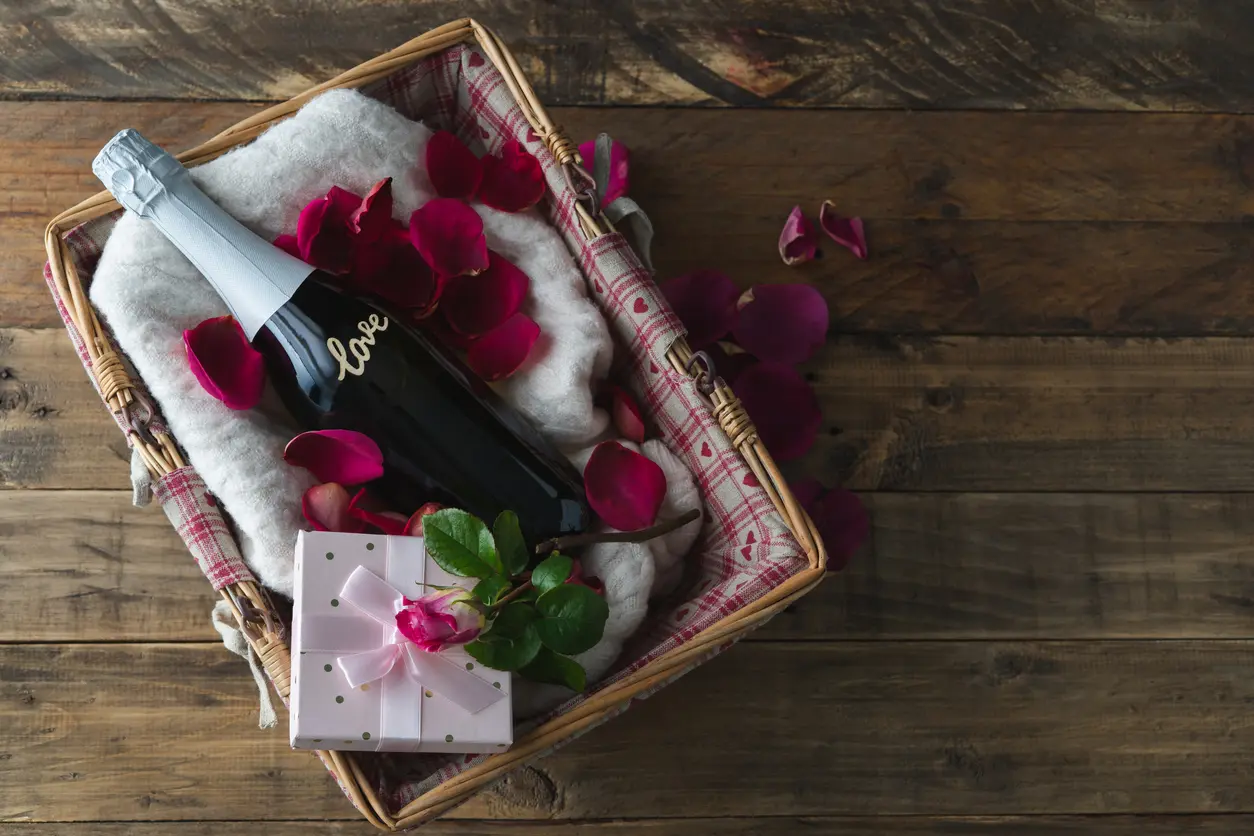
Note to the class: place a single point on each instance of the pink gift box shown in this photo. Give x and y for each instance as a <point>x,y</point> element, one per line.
<point>413,707</point>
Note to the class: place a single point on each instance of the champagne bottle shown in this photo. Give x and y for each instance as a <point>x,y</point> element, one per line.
<point>340,361</point>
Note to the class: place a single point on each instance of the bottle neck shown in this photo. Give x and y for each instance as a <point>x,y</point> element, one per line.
<point>254,277</point>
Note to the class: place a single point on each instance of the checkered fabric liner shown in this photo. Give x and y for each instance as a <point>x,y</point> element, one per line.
<point>745,549</point>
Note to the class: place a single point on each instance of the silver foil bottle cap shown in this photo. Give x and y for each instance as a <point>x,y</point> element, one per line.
<point>134,170</point>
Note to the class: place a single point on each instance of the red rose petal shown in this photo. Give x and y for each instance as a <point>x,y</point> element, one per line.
<point>512,180</point>
<point>449,236</point>
<point>413,528</point>
<point>323,235</point>
<point>840,517</point>
<point>288,244</point>
<point>439,330</point>
<point>343,456</point>
<point>392,269</point>
<point>626,413</point>
<point>705,302</point>
<point>782,323</point>
<point>847,232</point>
<point>798,242</point>
<point>225,363</point>
<point>476,304</point>
<point>453,168</point>
<point>624,488</point>
<point>783,406</point>
<point>326,508</point>
<point>730,360</point>
<point>389,523</point>
<point>620,165</point>
<point>500,352</point>
<point>372,219</point>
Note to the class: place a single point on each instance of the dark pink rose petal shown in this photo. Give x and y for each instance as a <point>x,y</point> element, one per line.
<point>782,323</point>
<point>225,363</point>
<point>626,414</point>
<point>288,244</point>
<point>474,305</point>
<point>326,508</point>
<point>343,204</point>
<point>372,219</point>
<point>323,236</point>
<point>449,236</point>
<point>453,168</point>
<point>798,242</point>
<point>705,302</point>
<point>840,517</point>
<point>730,360</point>
<point>624,488</point>
<point>512,180</point>
<point>413,528</point>
<point>392,269</point>
<point>783,407</point>
<point>620,165</point>
<point>440,330</point>
<point>844,231</point>
<point>364,508</point>
<point>500,352</point>
<point>343,456</point>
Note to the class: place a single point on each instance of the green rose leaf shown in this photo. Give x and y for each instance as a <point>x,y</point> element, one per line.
<point>461,544</point>
<point>511,621</point>
<point>552,572</point>
<point>556,669</point>
<point>572,618</point>
<point>506,654</point>
<point>490,589</point>
<point>510,544</point>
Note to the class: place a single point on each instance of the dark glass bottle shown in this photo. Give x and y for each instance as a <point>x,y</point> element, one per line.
<point>340,361</point>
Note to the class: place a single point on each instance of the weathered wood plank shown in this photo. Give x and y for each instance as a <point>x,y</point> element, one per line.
<point>774,826</point>
<point>1016,414</point>
<point>86,566</point>
<point>151,732</point>
<point>995,54</point>
<point>945,194</point>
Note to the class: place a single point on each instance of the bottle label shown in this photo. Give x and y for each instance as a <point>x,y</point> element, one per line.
<point>358,347</point>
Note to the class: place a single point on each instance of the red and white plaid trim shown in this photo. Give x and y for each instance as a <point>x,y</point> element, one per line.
<point>745,549</point>
<point>197,518</point>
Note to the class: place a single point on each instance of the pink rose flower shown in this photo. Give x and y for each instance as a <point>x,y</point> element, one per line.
<point>443,618</point>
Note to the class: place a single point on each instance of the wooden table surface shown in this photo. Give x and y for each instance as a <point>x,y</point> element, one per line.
<point>1041,383</point>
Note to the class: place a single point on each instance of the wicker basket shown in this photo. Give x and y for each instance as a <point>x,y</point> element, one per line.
<point>743,489</point>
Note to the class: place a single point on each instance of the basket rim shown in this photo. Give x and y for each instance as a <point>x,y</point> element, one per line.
<point>161,453</point>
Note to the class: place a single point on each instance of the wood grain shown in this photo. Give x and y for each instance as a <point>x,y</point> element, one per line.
<point>766,826</point>
<point>984,54</point>
<point>163,732</point>
<point>86,566</point>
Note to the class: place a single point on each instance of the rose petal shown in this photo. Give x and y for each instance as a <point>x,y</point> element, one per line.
<point>449,235</point>
<point>624,488</point>
<point>389,523</point>
<point>288,244</point>
<point>322,231</point>
<point>439,330</point>
<point>413,528</point>
<point>499,353</point>
<point>847,232</point>
<point>840,518</point>
<point>453,168</point>
<point>326,508</point>
<point>512,180</point>
<point>372,219</point>
<point>477,304</point>
<point>783,407</point>
<point>798,242</point>
<point>620,164</point>
<point>626,413</point>
<point>705,302</point>
<point>343,456</point>
<point>730,360</point>
<point>392,269</point>
<point>782,323</point>
<point>225,363</point>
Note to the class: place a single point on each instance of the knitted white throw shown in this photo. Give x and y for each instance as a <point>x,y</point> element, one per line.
<point>149,293</point>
